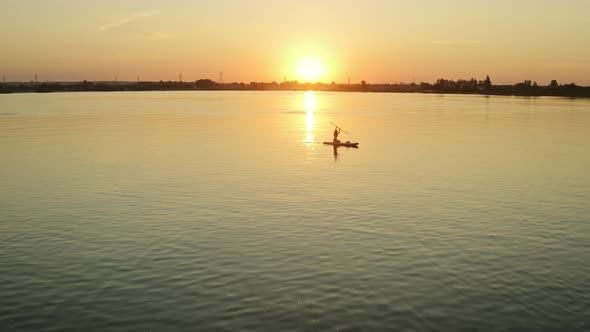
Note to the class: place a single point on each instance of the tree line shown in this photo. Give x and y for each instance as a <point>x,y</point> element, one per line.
<point>445,86</point>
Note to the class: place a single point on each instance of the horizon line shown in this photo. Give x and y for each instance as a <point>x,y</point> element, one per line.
<point>116,80</point>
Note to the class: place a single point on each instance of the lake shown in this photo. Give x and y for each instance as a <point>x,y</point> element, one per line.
<point>222,211</point>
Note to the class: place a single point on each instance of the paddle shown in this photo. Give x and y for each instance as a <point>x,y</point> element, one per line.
<point>339,127</point>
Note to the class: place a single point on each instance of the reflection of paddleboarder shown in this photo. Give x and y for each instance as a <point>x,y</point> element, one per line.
<point>336,132</point>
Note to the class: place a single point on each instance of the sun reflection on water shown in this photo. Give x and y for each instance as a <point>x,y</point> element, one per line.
<point>310,106</point>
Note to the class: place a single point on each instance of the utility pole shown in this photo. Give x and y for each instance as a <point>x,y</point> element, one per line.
<point>220,77</point>
<point>35,78</point>
<point>180,77</point>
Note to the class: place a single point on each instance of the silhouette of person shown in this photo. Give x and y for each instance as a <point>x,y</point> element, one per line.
<point>336,133</point>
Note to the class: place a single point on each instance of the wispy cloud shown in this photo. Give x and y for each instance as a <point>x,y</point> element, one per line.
<point>127,20</point>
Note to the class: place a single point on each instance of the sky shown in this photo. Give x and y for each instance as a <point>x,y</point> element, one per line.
<point>379,41</point>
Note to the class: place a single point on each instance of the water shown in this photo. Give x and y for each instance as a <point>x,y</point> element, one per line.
<point>223,211</point>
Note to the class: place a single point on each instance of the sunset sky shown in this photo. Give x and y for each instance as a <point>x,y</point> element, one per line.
<point>380,41</point>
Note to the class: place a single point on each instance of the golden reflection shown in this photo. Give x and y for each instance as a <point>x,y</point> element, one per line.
<point>310,105</point>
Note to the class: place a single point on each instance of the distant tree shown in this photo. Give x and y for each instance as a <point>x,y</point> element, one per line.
<point>553,84</point>
<point>364,85</point>
<point>205,84</point>
<point>487,83</point>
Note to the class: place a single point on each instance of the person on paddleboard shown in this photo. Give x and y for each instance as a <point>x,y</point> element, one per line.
<point>336,132</point>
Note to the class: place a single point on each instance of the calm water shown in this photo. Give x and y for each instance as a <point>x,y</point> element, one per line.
<point>223,211</point>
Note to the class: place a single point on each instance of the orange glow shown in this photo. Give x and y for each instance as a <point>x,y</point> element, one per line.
<point>307,41</point>
<point>310,70</point>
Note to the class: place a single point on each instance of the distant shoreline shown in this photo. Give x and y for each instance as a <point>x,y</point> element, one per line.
<point>442,86</point>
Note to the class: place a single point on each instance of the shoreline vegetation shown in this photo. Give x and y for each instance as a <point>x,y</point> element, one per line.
<point>441,86</point>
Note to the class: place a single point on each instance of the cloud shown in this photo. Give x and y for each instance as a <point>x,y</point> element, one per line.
<point>127,20</point>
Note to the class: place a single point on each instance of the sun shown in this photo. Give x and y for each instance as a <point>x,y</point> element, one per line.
<point>310,70</point>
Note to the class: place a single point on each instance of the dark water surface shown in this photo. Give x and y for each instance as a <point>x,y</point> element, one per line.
<point>173,211</point>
